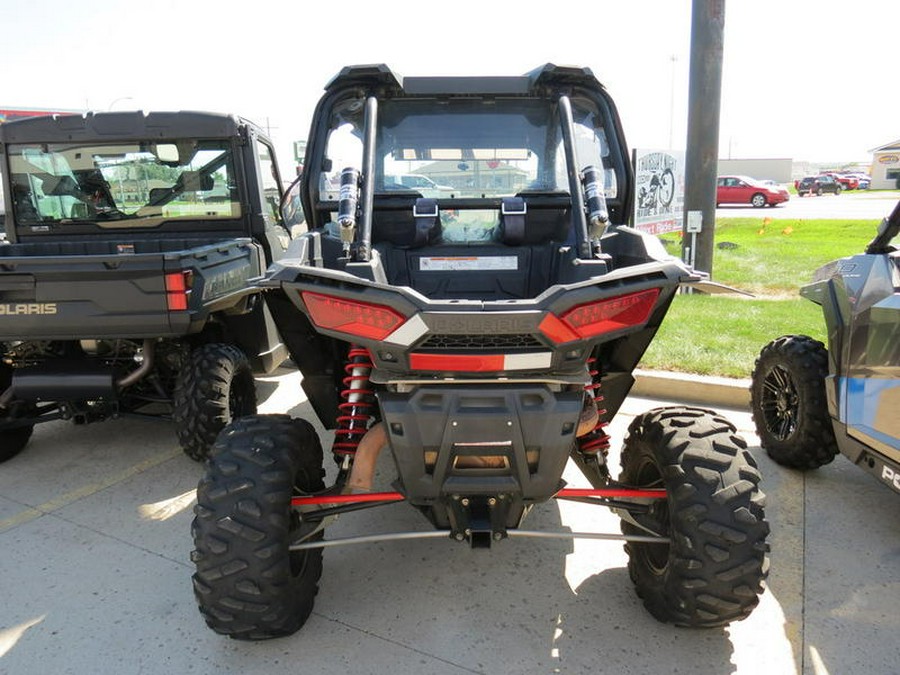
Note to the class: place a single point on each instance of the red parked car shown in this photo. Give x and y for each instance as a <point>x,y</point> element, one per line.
<point>746,190</point>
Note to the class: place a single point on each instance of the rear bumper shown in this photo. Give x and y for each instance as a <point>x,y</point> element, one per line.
<point>505,442</point>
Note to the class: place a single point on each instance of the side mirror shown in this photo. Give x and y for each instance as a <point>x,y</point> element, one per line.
<point>292,209</point>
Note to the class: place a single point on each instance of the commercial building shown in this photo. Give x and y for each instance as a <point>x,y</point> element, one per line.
<point>886,167</point>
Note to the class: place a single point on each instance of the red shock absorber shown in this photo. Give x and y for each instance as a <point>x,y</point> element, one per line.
<point>596,440</point>
<point>358,401</point>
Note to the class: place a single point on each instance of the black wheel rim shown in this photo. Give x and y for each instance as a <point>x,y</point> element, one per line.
<point>655,556</point>
<point>299,529</point>
<point>780,403</point>
<point>239,397</point>
<point>296,559</point>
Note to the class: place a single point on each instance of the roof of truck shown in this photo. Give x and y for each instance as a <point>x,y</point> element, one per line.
<point>116,126</point>
<point>381,74</point>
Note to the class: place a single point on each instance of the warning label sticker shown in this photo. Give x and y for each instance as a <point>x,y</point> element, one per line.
<point>469,263</point>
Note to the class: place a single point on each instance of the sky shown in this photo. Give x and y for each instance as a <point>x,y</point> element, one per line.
<point>807,81</point>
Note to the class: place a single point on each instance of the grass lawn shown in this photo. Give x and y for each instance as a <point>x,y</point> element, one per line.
<point>722,334</point>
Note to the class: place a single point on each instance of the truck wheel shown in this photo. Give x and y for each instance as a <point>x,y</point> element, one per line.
<point>758,200</point>
<point>13,437</point>
<point>247,583</point>
<point>711,572</point>
<point>788,402</point>
<point>215,388</point>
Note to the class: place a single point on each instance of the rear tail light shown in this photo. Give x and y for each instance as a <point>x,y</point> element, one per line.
<point>360,319</point>
<point>178,288</point>
<point>604,316</point>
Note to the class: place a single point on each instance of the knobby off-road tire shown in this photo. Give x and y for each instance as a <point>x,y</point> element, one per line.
<point>247,583</point>
<point>789,405</point>
<point>712,571</point>
<point>13,438</point>
<point>215,388</point>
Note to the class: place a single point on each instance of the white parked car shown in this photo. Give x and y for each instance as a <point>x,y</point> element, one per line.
<point>417,182</point>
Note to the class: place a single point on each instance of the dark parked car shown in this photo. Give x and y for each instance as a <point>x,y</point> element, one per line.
<point>745,190</point>
<point>847,181</point>
<point>817,185</point>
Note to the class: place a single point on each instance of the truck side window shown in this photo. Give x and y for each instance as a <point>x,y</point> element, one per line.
<point>270,183</point>
<point>344,150</point>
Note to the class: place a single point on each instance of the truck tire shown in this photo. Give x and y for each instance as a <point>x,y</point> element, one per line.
<point>758,200</point>
<point>788,402</point>
<point>248,585</point>
<point>13,439</point>
<point>13,436</point>
<point>711,572</point>
<point>215,388</point>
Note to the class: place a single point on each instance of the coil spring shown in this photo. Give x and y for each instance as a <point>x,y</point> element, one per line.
<point>596,440</point>
<point>355,411</point>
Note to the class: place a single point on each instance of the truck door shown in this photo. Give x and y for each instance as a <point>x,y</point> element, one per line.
<point>276,233</point>
<point>873,371</point>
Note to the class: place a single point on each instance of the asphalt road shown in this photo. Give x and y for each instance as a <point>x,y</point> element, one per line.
<point>95,543</point>
<point>852,205</point>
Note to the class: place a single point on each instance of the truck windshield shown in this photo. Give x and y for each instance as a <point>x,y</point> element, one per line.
<point>466,148</point>
<point>128,184</point>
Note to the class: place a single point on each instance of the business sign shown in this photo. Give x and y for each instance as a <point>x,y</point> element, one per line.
<point>659,190</point>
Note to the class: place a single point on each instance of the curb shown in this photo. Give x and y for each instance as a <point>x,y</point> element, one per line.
<point>698,389</point>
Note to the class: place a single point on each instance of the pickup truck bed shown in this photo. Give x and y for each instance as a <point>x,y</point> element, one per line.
<point>109,289</point>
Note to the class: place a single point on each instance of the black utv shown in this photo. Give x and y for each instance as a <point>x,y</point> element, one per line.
<point>125,287</point>
<point>485,336</point>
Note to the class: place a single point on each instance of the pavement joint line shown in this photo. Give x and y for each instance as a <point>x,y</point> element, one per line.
<point>68,498</point>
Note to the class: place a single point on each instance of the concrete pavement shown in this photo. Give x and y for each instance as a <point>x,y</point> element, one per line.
<point>95,544</point>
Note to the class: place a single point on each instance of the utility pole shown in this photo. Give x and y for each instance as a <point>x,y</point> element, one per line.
<point>704,101</point>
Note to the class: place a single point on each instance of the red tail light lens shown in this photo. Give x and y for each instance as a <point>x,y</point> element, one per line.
<point>178,287</point>
<point>556,330</point>
<point>361,319</point>
<point>605,316</point>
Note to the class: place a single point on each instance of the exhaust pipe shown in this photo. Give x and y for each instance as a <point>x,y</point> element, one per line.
<point>362,474</point>
<point>141,371</point>
<point>72,380</point>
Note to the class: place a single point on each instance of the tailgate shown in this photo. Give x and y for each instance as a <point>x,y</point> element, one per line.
<point>57,297</point>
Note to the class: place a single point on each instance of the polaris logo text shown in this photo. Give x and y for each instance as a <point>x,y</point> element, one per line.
<point>891,477</point>
<point>30,308</point>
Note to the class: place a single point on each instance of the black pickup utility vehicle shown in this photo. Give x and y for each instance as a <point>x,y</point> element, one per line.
<point>484,337</point>
<point>131,239</point>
